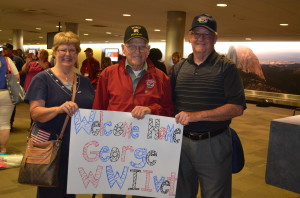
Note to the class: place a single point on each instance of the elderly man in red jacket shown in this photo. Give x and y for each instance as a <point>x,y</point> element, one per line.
<point>134,84</point>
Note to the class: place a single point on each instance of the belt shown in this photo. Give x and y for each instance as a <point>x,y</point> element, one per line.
<point>205,135</point>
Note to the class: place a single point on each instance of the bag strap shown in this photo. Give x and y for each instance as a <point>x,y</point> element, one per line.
<point>8,66</point>
<point>174,76</point>
<point>68,117</point>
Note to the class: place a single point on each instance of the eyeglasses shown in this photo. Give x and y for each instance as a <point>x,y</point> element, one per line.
<point>133,48</point>
<point>64,51</point>
<point>197,35</point>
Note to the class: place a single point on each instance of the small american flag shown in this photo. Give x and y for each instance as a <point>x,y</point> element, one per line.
<point>39,135</point>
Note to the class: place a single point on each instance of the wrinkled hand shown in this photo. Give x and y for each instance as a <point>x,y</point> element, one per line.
<point>68,107</point>
<point>140,111</point>
<point>184,117</point>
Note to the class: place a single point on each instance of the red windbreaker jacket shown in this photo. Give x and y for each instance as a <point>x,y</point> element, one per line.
<point>114,91</point>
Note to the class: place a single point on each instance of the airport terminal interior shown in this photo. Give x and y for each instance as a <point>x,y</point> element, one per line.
<point>253,128</point>
<point>260,25</point>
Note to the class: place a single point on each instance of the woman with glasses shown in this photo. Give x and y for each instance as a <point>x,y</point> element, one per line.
<point>49,96</point>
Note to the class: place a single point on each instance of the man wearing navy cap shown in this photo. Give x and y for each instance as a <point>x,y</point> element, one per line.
<point>134,84</point>
<point>8,52</point>
<point>208,93</point>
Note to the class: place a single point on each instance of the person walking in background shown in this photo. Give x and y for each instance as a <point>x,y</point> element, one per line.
<point>8,52</point>
<point>155,56</point>
<point>6,106</point>
<point>31,68</point>
<point>19,52</point>
<point>176,57</point>
<point>90,67</point>
<point>208,93</point>
<point>106,61</point>
<point>49,96</point>
<point>134,84</point>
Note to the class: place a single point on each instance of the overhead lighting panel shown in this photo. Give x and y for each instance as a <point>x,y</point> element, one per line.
<point>222,5</point>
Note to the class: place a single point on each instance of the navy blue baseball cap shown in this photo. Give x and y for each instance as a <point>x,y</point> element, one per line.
<point>206,21</point>
<point>7,46</point>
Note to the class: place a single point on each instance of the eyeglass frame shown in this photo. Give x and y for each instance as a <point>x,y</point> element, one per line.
<point>206,36</point>
<point>133,48</point>
<point>64,51</point>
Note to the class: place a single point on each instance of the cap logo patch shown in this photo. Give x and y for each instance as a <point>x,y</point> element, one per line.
<point>203,19</point>
<point>136,31</point>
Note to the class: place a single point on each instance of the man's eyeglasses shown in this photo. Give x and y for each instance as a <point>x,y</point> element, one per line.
<point>64,51</point>
<point>197,35</point>
<point>133,48</point>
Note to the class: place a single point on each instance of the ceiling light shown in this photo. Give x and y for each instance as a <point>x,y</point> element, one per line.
<point>58,26</point>
<point>126,15</point>
<point>156,30</point>
<point>222,5</point>
<point>106,41</point>
<point>248,39</point>
<point>89,19</point>
<point>284,24</point>
<point>163,40</point>
<point>41,37</point>
<point>38,28</point>
<point>0,30</point>
<point>108,32</point>
<point>85,34</point>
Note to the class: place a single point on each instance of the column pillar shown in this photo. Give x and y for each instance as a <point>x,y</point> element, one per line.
<point>175,34</point>
<point>17,39</point>
<point>73,27</point>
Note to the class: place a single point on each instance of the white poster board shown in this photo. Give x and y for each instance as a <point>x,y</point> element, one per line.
<point>113,153</point>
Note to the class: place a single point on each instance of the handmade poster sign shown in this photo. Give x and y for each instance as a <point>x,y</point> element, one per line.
<point>113,153</point>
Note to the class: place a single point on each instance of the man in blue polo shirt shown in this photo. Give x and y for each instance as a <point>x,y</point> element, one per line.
<point>208,93</point>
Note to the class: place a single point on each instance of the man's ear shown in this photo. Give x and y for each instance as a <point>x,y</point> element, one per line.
<point>216,38</point>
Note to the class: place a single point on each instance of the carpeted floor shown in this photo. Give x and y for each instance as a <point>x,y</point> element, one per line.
<point>253,128</point>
